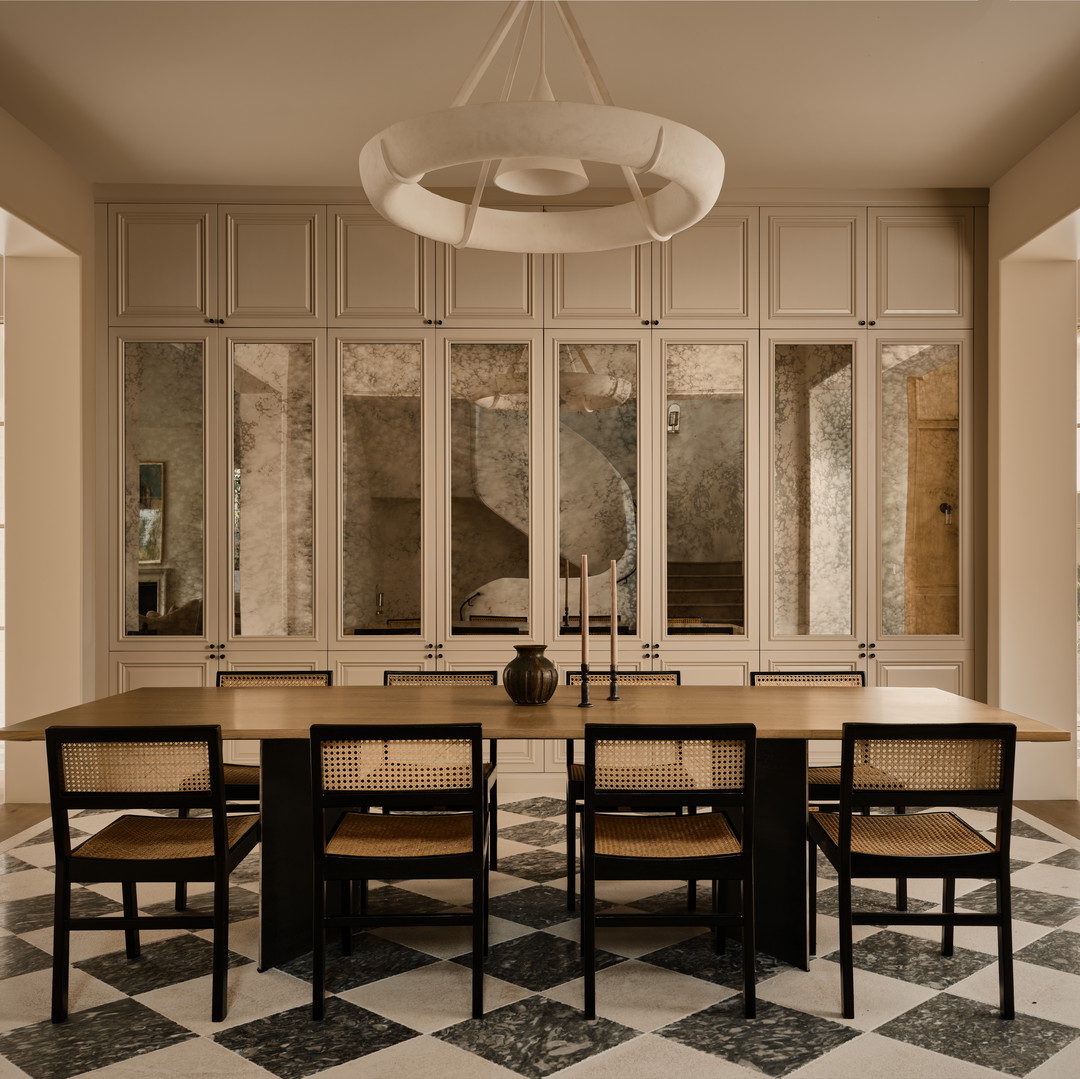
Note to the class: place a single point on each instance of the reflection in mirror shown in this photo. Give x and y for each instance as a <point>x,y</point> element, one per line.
<point>381,484</point>
<point>489,487</point>
<point>598,483</point>
<point>812,489</point>
<point>919,495</point>
<point>164,534</point>
<point>706,434</point>
<point>273,485</point>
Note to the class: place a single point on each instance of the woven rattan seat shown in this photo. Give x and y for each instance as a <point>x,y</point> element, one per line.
<point>575,772</point>
<point>156,768</point>
<point>368,765</point>
<point>707,768</point>
<point>943,766</point>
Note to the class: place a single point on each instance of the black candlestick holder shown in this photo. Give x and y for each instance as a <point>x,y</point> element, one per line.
<point>585,702</point>
<point>613,694</point>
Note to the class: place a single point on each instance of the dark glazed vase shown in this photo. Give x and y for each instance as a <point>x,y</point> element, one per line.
<point>530,677</point>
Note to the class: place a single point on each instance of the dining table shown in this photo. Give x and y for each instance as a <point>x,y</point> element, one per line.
<point>787,719</point>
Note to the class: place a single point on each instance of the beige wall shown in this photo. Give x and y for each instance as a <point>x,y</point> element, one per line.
<point>47,240</point>
<point>1033,248</point>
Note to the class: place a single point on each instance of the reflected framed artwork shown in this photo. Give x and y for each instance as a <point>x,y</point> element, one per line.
<point>151,511</point>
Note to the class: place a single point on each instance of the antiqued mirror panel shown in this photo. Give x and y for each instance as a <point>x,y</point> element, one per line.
<point>164,487</point>
<point>380,389</point>
<point>919,510</point>
<point>812,529</point>
<point>489,488</point>
<point>598,483</point>
<point>705,425</point>
<point>273,563</point>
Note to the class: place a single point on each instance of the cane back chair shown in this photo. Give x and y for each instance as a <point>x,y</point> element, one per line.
<point>394,766</point>
<point>462,678</point>
<point>147,768</point>
<point>935,765</point>
<point>710,768</point>
<point>575,773</point>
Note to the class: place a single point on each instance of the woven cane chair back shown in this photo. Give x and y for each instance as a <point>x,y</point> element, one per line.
<point>630,678</point>
<point>131,767</point>
<point>272,679</point>
<point>928,765</point>
<point>663,765</point>
<point>843,679</point>
<point>397,765</point>
<point>440,678</point>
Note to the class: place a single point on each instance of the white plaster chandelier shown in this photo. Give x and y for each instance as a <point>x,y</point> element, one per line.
<point>536,147</point>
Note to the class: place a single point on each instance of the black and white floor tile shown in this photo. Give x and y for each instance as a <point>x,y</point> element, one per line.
<point>666,1004</point>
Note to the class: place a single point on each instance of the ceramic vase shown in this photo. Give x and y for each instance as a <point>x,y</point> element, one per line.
<point>530,677</point>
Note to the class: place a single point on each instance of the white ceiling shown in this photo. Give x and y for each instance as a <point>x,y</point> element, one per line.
<point>804,94</point>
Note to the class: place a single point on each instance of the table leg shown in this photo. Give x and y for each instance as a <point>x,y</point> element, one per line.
<point>285,916</point>
<point>780,850</point>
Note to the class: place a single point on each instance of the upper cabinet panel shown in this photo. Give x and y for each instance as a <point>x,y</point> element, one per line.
<point>273,269</point>
<point>162,265</point>
<point>920,267</point>
<point>707,276</point>
<point>601,288</point>
<point>489,288</point>
<point>814,271</point>
<point>384,276</point>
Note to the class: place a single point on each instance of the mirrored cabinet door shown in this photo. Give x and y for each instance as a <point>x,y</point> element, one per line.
<point>382,403</point>
<point>162,394</point>
<point>814,559</point>
<point>271,471</point>
<point>705,432</point>
<point>922,491</point>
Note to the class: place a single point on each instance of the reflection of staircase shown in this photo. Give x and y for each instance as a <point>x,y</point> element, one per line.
<point>711,591</point>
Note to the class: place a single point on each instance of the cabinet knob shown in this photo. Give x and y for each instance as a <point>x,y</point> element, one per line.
<point>862,655</point>
<point>438,322</point>
<point>873,654</point>
<point>862,322</point>
<point>656,322</point>
<point>873,323</point>
<point>429,322</point>
<point>430,655</point>
<point>644,322</point>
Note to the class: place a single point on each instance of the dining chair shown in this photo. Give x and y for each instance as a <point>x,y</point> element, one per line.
<point>242,780</point>
<point>147,768</point>
<point>462,678</point>
<point>944,766</point>
<point>823,780</point>
<point>394,766</point>
<point>710,768</point>
<point>575,773</point>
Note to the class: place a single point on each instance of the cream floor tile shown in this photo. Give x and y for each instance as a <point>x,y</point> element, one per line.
<point>28,998</point>
<point>1066,1065</point>
<point>817,991</point>
<point>651,1057</point>
<point>828,934</point>
<point>432,997</point>
<point>87,944</point>
<point>251,996</point>
<point>1048,878</point>
<point>979,938</point>
<point>629,941</point>
<point>642,996</point>
<point>199,1058</point>
<point>29,882</point>
<point>425,1058</point>
<point>874,1057</point>
<point>1040,991</point>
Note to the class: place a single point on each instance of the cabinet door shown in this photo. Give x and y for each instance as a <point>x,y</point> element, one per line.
<point>162,265</point>
<point>136,670</point>
<point>488,288</point>
<point>919,266</point>
<point>707,276</point>
<point>814,268</point>
<point>273,265</point>
<point>601,288</point>
<point>381,275</point>
<point>816,506</point>
<point>164,403</point>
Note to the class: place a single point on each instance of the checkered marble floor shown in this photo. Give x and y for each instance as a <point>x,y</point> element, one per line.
<point>667,1005</point>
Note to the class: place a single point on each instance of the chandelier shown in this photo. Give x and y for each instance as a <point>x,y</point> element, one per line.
<point>536,147</point>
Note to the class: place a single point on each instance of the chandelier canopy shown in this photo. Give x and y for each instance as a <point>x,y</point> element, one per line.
<point>536,147</point>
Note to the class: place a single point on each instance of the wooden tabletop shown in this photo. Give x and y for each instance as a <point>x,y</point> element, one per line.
<point>789,712</point>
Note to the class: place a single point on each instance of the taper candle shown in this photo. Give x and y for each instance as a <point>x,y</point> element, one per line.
<point>584,609</point>
<point>614,618</point>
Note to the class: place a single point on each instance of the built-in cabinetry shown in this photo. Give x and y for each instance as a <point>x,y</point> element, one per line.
<point>337,444</point>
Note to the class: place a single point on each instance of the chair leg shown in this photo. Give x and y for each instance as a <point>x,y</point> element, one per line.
<point>131,910</point>
<point>588,939</point>
<point>948,905</point>
<point>346,908</point>
<point>571,850</point>
<point>220,980</point>
<point>479,941</point>
<point>181,885</point>
<point>847,957</point>
<point>901,883</point>
<point>1005,948</point>
<point>811,896</point>
<point>719,934</point>
<point>749,949</point>
<point>61,946</point>
<point>493,807</point>
<point>318,948</point>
